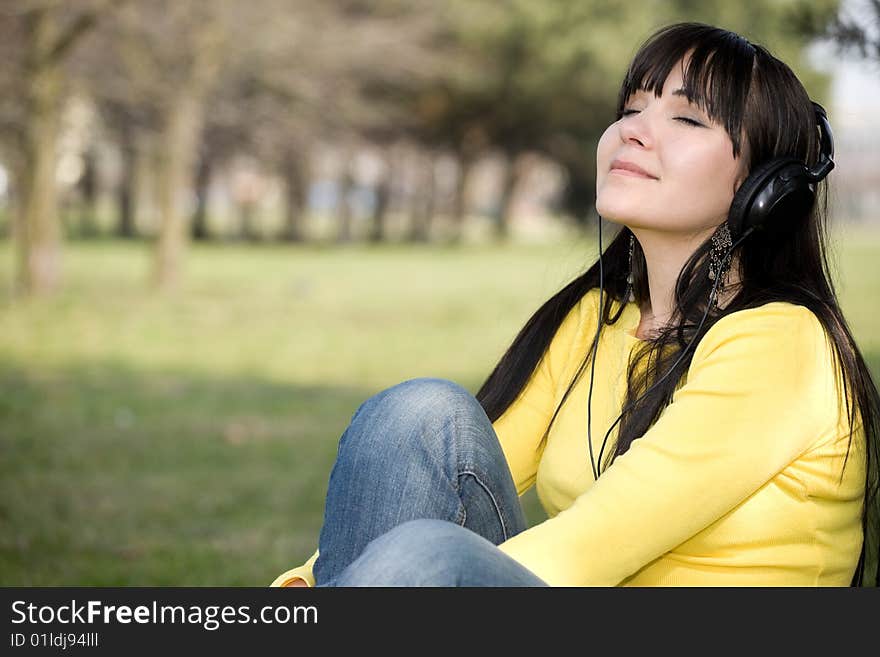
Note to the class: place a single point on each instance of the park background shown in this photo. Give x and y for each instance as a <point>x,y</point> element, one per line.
<point>224,225</point>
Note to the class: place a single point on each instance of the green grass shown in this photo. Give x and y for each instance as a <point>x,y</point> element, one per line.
<point>187,438</point>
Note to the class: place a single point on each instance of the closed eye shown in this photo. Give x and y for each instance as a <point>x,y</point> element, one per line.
<point>688,121</point>
<point>683,119</point>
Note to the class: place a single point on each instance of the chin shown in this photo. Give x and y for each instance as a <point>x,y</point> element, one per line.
<point>615,215</point>
<point>618,208</point>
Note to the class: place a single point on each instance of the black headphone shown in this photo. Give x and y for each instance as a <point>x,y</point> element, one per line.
<point>774,194</point>
<point>781,188</point>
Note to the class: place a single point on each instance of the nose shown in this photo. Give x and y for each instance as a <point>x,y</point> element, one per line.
<point>636,129</point>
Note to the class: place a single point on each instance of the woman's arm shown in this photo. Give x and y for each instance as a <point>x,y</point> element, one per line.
<point>521,427</point>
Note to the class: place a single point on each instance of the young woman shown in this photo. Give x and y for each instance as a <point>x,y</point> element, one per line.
<point>727,433</point>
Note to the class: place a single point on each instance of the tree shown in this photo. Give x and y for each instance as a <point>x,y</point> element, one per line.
<point>38,39</point>
<point>852,30</point>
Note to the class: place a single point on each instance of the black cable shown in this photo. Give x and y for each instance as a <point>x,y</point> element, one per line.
<point>593,359</point>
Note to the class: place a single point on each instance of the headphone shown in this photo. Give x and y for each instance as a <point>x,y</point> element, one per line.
<point>783,187</point>
<point>775,194</point>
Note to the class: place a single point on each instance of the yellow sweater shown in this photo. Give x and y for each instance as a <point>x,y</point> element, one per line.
<point>737,483</point>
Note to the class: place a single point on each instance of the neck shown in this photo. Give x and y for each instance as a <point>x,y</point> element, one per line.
<point>665,255</point>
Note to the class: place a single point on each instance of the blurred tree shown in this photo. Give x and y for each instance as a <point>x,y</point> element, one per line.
<point>37,40</point>
<point>129,118</point>
<point>305,80</point>
<point>155,67</point>
<point>288,75</point>
<point>88,188</point>
<point>853,28</point>
<point>236,125</point>
<point>176,49</point>
<point>205,80</point>
<point>382,192</point>
<point>378,56</point>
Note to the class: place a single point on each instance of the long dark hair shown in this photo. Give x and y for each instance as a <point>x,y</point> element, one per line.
<point>768,114</point>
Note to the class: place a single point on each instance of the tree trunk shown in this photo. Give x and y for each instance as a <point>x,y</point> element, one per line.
<point>295,170</point>
<point>343,208</point>
<point>38,230</point>
<point>383,199</point>
<point>246,212</point>
<point>176,161</point>
<point>459,204</point>
<point>182,128</point>
<point>512,175</point>
<point>200,216</point>
<point>145,182</point>
<point>422,208</point>
<point>88,185</point>
<point>125,194</point>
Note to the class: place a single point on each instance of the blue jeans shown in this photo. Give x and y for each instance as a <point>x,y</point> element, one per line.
<point>420,495</point>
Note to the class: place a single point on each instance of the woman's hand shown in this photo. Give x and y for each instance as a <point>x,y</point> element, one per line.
<point>298,581</point>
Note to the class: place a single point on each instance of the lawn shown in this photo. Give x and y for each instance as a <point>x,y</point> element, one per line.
<point>186,438</point>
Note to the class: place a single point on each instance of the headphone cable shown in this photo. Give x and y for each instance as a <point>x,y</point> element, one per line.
<point>712,295</point>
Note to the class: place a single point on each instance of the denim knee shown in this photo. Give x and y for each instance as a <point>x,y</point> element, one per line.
<point>409,407</point>
<point>420,396</point>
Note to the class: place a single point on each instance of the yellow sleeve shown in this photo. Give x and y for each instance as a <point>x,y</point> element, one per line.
<point>521,427</point>
<point>303,572</point>
<point>757,396</point>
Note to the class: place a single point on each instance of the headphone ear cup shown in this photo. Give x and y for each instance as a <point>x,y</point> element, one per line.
<point>777,184</point>
<point>738,218</point>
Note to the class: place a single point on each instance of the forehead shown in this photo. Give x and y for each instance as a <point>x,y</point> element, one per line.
<point>674,85</point>
<point>674,82</point>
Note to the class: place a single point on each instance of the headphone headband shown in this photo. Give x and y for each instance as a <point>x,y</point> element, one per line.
<point>826,155</point>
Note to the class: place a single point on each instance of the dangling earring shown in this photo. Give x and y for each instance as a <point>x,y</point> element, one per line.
<point>629,276</point>
<point>721,241</point>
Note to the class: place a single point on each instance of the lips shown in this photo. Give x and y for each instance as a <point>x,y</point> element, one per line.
<point>626,168</point>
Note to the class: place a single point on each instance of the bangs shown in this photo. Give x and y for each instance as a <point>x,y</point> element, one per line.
<point>716,79</point>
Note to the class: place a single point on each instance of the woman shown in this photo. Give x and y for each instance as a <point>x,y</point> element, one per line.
<point>747,447</point>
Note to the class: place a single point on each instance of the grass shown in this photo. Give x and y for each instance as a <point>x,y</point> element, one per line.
<point>187,438</point>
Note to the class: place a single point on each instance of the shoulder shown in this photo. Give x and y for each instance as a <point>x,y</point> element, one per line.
<point>585,311</point>
<point>779,351</point>
<point>579,317</point>
<point>779,325</point>
<point>574,331</point>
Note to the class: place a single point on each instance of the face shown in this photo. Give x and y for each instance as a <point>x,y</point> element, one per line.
<point>665,166</point>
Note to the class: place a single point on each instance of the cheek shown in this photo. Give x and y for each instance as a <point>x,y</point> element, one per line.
<point>710,175</point>
<point>604,153</point>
